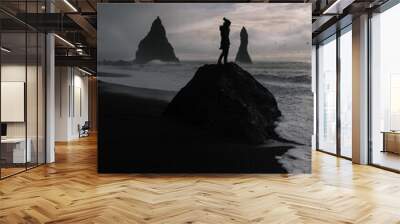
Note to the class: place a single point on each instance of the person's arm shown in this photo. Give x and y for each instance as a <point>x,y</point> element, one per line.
<point>227,20</point>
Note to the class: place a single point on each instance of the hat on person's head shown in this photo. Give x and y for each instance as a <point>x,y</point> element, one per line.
<point>227,21</point>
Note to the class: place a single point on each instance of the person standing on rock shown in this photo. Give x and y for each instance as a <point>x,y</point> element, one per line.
<point>224,30</point>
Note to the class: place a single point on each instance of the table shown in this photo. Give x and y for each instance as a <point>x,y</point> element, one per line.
<point>391,141</point>
<point>13,150</point>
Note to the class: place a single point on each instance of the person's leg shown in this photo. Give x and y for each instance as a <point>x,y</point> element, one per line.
<point>220,57</point>
<point>226,51</point>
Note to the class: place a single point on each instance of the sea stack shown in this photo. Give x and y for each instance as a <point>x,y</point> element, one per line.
<point>226,100</point>
<point>242,55</point>
<point>155,46</point>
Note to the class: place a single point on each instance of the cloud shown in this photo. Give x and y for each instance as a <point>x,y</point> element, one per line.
<point>276,31</point>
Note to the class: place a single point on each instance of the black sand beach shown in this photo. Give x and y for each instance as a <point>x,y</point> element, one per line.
<point>157,144</point>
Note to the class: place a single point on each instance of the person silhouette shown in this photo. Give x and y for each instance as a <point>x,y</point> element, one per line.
<point>224,30</point>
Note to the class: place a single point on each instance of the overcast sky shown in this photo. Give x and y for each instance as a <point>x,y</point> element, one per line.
<point>277,32</point>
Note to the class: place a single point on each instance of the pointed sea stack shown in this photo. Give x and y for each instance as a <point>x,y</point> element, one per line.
<point>155,46</point>
<point>228,101</point>
<point>243,55</point>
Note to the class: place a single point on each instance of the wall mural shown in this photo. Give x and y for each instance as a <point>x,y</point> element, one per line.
<point>205,87</point>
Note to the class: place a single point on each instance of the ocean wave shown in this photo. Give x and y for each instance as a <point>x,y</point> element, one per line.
<point>298,79</point>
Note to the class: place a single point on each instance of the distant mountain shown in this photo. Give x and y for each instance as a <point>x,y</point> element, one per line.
<point>155,46</point>
<point>118,62</point>
<point>243,55</point>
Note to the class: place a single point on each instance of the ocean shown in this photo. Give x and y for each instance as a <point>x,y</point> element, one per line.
<point>290,82</point>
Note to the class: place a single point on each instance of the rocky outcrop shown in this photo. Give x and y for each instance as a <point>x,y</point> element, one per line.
<point>227,100</point>
<point>155,46</point>
<point>243,55</point>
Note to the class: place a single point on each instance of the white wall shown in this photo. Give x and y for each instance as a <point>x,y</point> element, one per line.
<point>12,73</point>
<point>33,126</point>
<point>62,82</point>
<point>81,104</point>
<point>71,102</point>
<point>18,73</point>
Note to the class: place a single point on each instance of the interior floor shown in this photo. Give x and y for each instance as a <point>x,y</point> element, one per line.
<point>5,172</point>
<point>71,191</point>
<point>11,169</point>
<point>387,159</point>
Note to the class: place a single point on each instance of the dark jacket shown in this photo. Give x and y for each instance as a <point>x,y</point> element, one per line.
<point>224,30</point>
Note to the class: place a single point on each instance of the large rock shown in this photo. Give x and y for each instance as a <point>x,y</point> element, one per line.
<point>155,46</point>
<point>242,54</point>
<point>227,100</point>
